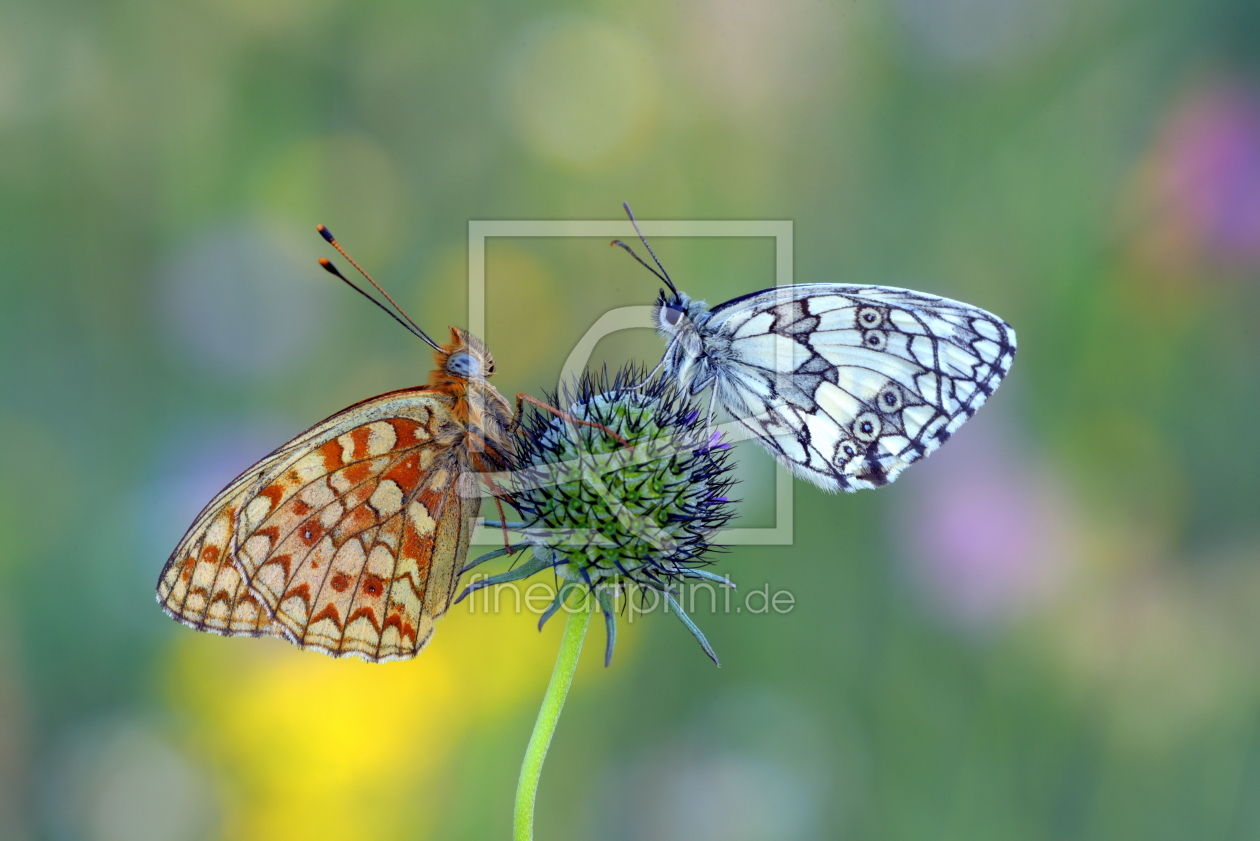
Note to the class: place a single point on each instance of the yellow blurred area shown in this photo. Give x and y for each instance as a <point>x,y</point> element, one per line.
<point>584,92</point>
<point>1164,653</point>
<point>313,747</point>
<point>523,296</point>
<point>524,293</point>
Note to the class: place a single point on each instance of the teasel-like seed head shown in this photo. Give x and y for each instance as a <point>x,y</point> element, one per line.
<point>624,492</point>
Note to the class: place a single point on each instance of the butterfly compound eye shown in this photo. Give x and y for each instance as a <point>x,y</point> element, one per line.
<point>672,316</point>
<point>463,365</point>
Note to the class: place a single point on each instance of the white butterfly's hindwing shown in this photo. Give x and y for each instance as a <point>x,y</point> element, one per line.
<point>849,385</point>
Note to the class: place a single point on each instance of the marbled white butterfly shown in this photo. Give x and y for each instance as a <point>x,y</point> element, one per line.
<point>845,385</point>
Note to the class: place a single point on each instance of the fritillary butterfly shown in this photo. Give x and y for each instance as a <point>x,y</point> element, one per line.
<point>350,538</point>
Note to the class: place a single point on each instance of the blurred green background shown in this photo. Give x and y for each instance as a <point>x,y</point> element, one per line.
<point>1048,630</point>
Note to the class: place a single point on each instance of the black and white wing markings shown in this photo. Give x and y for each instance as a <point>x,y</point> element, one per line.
<point>849,385</point>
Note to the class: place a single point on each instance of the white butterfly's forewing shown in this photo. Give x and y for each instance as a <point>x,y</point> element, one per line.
<point>848,385</point>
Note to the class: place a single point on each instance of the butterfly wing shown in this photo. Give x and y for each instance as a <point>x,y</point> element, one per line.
<point>350,537</point>
<point>201,587</point>
<point>849,385</point>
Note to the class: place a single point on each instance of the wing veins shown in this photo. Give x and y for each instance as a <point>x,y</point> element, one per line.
<point>337,499</point>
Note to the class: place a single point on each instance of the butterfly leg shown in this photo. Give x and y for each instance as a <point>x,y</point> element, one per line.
<point>522,397</point>
<point>496,492</point>
<point>507,544</point>
<point>649,377</point>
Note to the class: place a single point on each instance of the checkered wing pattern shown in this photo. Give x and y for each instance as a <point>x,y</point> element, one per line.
<point>347,540</point>
<point>849,385</point>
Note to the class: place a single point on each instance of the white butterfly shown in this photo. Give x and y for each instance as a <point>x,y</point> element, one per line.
<point>844,385</point>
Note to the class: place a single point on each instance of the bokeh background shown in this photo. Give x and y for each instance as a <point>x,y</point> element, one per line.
<point>1051,629</point>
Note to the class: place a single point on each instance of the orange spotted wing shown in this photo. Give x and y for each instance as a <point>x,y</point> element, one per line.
<point>350,538</point>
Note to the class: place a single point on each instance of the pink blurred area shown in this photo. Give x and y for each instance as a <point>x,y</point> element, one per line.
<point>986,529</point>
<point>1196,200</point>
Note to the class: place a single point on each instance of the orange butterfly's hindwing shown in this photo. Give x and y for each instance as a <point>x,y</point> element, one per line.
<point>350,538</point>
<point>200,586</point>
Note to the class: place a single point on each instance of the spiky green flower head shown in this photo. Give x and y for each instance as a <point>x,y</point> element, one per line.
<point>625,491</point>
<point>604,510</point>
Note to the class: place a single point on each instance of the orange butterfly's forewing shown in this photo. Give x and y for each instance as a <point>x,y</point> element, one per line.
<point>350,538</point>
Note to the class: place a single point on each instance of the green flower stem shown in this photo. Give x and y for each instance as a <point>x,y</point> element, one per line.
<point>557,690</point>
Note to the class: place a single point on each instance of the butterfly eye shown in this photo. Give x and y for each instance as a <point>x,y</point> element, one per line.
<point>672,315</point>
<point>463,365</point>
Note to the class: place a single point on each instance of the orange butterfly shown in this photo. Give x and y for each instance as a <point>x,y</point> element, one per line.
<point>350,538</point>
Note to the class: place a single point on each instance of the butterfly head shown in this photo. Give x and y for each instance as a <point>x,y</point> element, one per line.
<point>676,314</point>
<point>466,359</point>
<point>462,370</point>
<point>681,322</point>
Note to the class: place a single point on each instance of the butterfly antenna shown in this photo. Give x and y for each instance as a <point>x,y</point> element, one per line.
<point>335,272</point>
<point>664,275</point>
<point>415,328</point>
<point>630,250</point>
